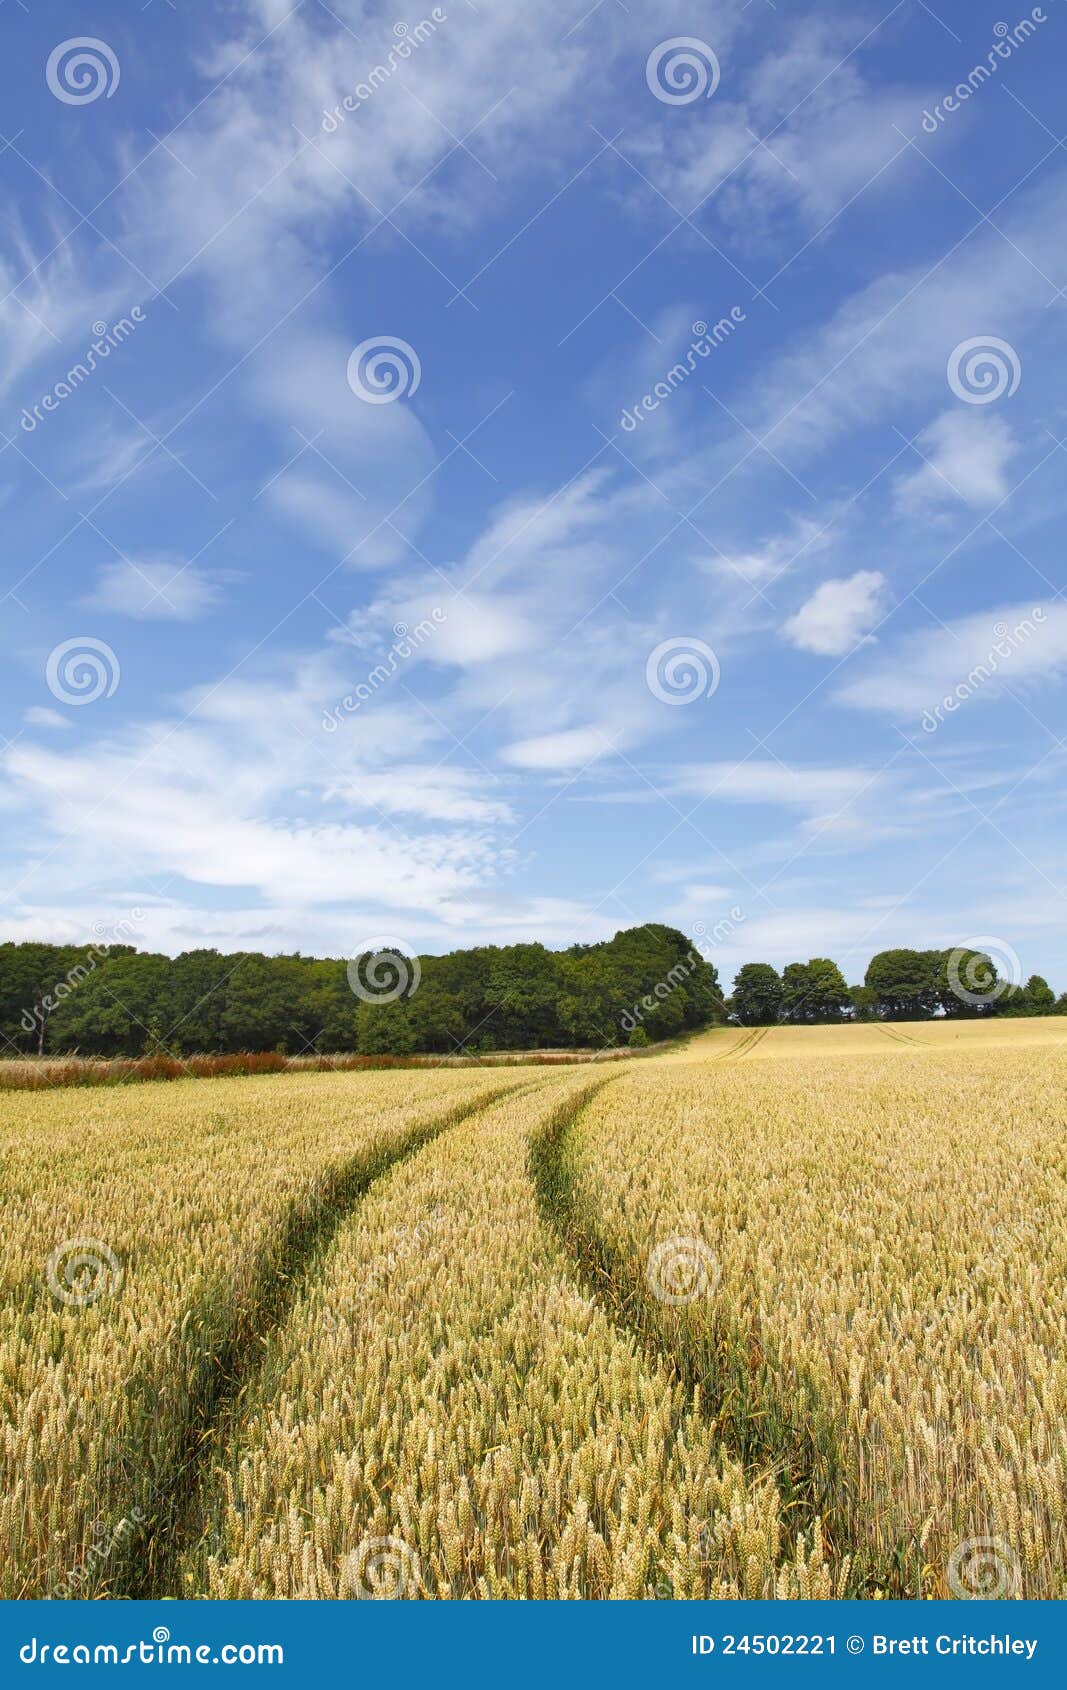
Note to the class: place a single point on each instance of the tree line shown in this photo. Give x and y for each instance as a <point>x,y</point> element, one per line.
<point>646,984</point>
<point>899,985</point>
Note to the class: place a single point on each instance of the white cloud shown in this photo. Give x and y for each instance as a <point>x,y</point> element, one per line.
<point>344,468</point>
<point>805,538</point>
<point>698,895</point>
<point>889,344</point>
<point>183,807</point>
<point>107,453</point>
<point>438,794</point>
<point>533,629</point>
<point>270,181</point>
<point>173,923</point>
<point>1017,645</point>
<point>38,716</point>
<point>477,628</point>
<point>851,935</point>
<point>571,749</point>
<point>675,874</point>
<point>807,925</point>
<point>561,533</point>
<point>967,452</point>
<point>249,800</point>
<point>766,781</point>
<point>157,590</point>
<point>253,804</point>
<point>838,615</point>
<point>831,136</point>
<point>49,297</point>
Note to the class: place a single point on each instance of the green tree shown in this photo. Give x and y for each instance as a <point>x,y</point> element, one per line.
<point>589,1012</point>
<point>864,1005</point>
<point>905,984</point>
<point>114,1001</point>
<point>757,995</point>
<point>1035,998</point>
<point>115,1008</point>
<point>662,980</point>
<point>522,995</point>
<point>331,1004</point>
<point>814,991</point>
<point>968,983</point>
<point>385,1029</point>
<point>35,980</point>
<point>266,1005</point>
<point>1012,1002</point>
<point>1039,996</point>
<point>669,1017</point>
<point>29,976</point>
<point>436,1019</point>
<point>197,985</point>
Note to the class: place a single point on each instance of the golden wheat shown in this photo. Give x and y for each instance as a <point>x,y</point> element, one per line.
<point>872,1255</point>
<point>778,1315</point>
<point>182,1194</point>
<point>460,1418</point>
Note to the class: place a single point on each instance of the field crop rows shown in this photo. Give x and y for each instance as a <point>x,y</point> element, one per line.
<point>780,1316</point>
<point>191,1201</point>
<point>470,1423</point>
<point>878,1251</point>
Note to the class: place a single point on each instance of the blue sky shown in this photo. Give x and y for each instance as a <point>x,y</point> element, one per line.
<point>683,602</point>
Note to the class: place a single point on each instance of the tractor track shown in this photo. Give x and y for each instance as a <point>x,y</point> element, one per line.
<point>748,1042</point>
<point>219,1373</point>
<point>899,1037</point>
<point>809,1477</point>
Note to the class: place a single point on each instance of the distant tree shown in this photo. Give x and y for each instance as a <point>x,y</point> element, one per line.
<point>589,999</point>
<point>968,985</point>
<point>115,1009</point>
<point>795,992</point>
<point>29,976</point>
<point>114,1001</point>
<point>670,1016</point>
<point>757,995</point>
<point>266,1005</point>
<point>829,989</point>
<point>638,1039</point>
<point>905,984</point>
<point>522,997</point>
<point>704,1001</point>
<point>1039,996</point>
<point>864,1003</point>
<point>1035,998</point>
<point>814,991</point>
<point>662,981</point>
<point>464,977</point>
<point>332,1006</point>
<point>36,980</point>
<point>385,1030</point>
<point>1012,1002</point>
<point>197,983</point>
<point>435,1018</point>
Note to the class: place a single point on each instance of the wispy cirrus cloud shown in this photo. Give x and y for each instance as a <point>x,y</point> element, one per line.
<point>1013,645</point>
<point>155,588</point>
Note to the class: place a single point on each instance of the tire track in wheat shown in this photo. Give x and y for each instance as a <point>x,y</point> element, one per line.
<point>620,1286</point>
<point>287,1261</point>
<point>751,1037</point>
<point>898,1037</point>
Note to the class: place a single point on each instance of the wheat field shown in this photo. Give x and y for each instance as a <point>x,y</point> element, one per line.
<point>778,1313</point>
